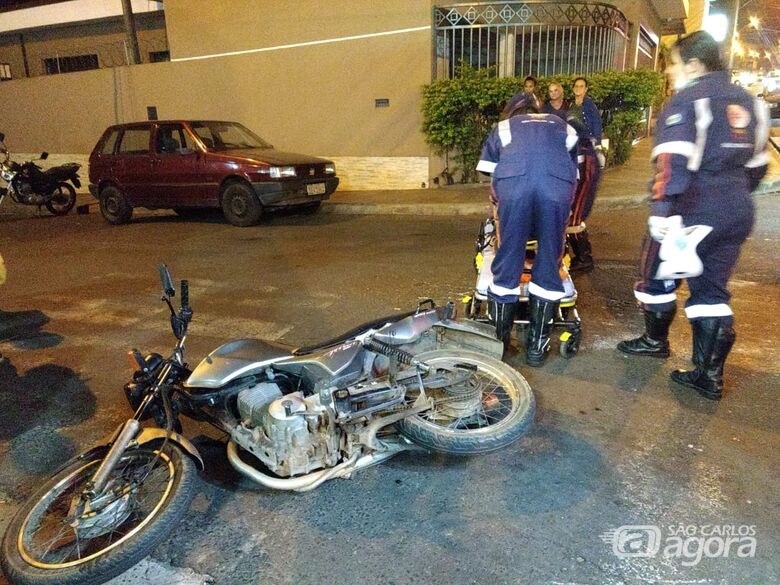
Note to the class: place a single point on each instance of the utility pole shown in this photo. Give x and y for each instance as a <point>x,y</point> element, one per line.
<point>132,39</point>
<point>734,35</point>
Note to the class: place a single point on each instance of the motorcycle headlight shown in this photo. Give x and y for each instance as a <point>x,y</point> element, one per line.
<point>280,172</point>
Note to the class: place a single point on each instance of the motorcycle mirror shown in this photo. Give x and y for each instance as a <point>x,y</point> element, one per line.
<point>44,155</point>
<point>167,281</point>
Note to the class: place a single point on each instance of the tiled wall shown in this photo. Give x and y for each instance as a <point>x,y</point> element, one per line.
<point>356,173</point>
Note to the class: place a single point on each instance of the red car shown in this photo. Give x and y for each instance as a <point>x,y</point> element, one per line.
<point>188,165</point>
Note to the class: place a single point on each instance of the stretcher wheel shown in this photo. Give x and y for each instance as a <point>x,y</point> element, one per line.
<point>570,343</point>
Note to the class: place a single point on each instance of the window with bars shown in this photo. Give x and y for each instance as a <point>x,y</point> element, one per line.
<point>530,38</point>
<point>54,65</point>
<point>159,56</point>
<point>5,71</point>
<point>645,48</point>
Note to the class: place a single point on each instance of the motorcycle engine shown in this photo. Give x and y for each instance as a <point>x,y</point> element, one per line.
<point>291,434</point>
<point>26,193</point>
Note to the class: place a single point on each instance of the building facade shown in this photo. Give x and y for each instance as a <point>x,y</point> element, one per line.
<point>340,79</point>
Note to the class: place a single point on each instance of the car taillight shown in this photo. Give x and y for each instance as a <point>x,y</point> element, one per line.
<point>330,169</point>
<point>280,172</point>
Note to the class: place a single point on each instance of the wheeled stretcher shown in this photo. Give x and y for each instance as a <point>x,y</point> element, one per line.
<point>567,318</point>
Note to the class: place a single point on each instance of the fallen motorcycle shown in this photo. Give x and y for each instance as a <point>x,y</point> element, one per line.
<point>28,184</point>
<point>295,419</point>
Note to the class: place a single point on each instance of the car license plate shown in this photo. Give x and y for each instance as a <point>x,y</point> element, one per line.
<point>315,189</point>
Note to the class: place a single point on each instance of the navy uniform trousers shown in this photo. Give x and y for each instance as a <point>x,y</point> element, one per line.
<point>530,206</point>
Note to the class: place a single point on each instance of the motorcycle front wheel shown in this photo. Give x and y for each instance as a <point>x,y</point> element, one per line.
<point>53,540</point>
<point>484,407</point>
<point>62,200</point>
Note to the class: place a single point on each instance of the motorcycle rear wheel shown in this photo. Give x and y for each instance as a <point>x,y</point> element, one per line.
<point>150,495</point>
<point>63,199</point>
<point>496,403</point>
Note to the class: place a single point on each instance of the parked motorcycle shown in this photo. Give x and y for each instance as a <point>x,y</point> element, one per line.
<point>295,419</point>
<point>28,184</point>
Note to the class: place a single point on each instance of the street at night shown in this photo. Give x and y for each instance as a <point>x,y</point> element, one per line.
<point>615,443</point>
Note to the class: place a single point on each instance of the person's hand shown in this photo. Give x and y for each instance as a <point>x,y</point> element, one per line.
<point>659,226</point>
<point>602,158</point>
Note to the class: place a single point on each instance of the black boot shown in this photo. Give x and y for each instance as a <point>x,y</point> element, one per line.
<point>714,338</point>
<point>502,315</point>
<point>698,327</point>
<point>582,253</point>
<point>541,315</point>
<point>654,342</point>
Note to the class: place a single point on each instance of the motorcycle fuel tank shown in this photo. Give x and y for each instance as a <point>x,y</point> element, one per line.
<point>235,359</point>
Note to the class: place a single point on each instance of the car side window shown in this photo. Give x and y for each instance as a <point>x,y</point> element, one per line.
<point>135,141</point>
<point>205,135</point>
<point>170,138</point>
<point>110,142</point>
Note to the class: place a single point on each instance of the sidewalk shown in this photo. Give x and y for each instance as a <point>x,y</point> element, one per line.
<point>623,186</point>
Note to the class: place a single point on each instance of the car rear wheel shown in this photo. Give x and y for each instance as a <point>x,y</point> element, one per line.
<point>114,206</point>
<point>240,205</point>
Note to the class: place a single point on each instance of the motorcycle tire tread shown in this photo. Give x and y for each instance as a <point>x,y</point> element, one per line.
<point>71,200</point>
<point>427,437</point>
<point>112,563</point>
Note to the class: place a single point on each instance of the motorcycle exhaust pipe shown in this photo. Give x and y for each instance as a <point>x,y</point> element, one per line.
<point>310,481</point>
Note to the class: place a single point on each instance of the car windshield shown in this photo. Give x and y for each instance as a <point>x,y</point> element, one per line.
<point>227,135</point>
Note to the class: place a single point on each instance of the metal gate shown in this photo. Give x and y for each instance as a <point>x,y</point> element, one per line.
<point>530,38</point>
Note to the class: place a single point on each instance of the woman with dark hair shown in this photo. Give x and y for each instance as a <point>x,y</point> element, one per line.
<point>710,154</point>
<point>584,115</point>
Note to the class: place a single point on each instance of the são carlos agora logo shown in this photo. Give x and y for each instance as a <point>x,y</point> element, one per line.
<point>690,543</point>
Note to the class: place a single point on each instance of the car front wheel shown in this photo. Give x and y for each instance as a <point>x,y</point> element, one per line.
<point>240,205</point>
<point>114,206</point>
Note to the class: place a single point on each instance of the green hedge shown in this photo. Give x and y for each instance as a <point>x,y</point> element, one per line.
<point>458,113</point>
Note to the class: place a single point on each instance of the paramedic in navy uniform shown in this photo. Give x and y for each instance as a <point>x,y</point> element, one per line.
<point>710,154</point>
<point>533,181</point>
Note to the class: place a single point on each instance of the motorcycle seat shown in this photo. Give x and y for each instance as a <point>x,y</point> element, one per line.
<point>375,324</point>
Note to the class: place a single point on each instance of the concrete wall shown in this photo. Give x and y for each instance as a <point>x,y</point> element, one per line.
<point>638,13</point>
<point>106,39</point>
<point>316,98</point>
<point>304,75</point>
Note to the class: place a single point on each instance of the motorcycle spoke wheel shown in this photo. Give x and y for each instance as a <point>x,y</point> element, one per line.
<point>487,406</point>
<point>53,539</point>
<point>63,199</point>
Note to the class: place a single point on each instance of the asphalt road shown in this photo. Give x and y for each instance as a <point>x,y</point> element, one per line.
<point>614,444</point>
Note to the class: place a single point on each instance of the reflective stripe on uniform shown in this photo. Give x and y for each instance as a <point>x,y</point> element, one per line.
<point>719,310</point>
<point>549,295</point>
<point>503,292</point>
<point>649,299</point>
<point>486,166</point>
<point>761,156</point>
<point>703,121</point>
<point>504,132</point>
<point>759,160</point>
<point>762,125</point>
<point>571,137</point>
<point>682,147</point>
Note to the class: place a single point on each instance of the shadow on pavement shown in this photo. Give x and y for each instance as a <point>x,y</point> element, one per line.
<point>33,406</point>
<point>21,328</point>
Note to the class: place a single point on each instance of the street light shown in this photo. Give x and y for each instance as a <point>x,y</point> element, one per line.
<point>717,25</point>
<point>754,22</point>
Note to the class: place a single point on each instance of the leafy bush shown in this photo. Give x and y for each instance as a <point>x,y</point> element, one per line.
<point>458,113</point>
